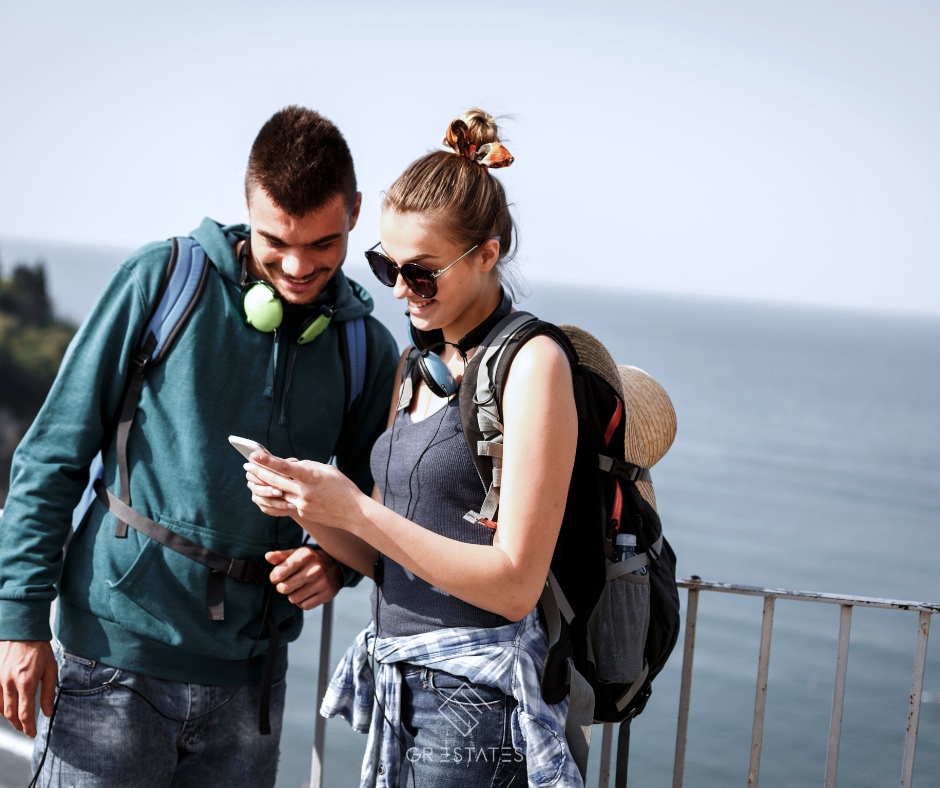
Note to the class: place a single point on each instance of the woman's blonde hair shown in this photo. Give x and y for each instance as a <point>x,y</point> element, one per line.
<point>461,194</point>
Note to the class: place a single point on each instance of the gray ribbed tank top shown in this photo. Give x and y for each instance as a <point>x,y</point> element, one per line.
<point>432,481</point>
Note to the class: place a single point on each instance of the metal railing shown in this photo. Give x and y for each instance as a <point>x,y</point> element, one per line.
<point>694,587</point>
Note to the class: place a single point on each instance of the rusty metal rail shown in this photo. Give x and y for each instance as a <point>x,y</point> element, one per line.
<point>770,595</point>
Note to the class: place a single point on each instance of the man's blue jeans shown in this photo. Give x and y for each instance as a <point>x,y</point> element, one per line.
<point>104,735</point>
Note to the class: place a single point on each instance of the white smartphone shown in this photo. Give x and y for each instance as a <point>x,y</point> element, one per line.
<point>246,446</point>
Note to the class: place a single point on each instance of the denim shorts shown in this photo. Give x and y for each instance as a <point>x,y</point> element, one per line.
<point>456,733</point>
<point>117,729</point>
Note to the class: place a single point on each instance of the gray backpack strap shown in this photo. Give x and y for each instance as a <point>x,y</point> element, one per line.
<point>555,606</point>
<point>638,561</point>
<point>578,723</point>
<point>580,717</point>
<point>488,417</point>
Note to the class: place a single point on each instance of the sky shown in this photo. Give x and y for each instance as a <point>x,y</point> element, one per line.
<point>785,151</point>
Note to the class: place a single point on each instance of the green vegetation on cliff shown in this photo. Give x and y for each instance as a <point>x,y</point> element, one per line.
<point>32,344</point>
<point>32,340</point>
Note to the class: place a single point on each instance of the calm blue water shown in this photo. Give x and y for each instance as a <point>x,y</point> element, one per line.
<point>806,458</point>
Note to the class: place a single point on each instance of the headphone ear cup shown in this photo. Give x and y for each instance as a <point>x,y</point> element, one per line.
<point>263,307</point>
<point>435,373</point>
<point>315,326</point>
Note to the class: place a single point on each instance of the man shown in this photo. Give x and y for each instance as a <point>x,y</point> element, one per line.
<point>164,666</point>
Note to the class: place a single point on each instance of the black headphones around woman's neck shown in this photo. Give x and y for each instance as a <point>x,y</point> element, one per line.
<point>434,372</point>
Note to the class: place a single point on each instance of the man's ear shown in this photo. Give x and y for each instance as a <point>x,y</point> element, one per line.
<point>354,213</point>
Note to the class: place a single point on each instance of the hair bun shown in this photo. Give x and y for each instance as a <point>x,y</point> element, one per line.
<point>474,135</point>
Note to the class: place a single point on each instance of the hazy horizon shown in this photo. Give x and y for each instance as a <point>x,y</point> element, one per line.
<point>785,152</point>
<point>46,253</point>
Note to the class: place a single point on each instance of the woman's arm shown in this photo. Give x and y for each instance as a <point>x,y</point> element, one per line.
<point>540,436</point>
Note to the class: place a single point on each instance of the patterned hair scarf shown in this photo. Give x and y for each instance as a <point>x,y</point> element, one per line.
<point>490,154</point>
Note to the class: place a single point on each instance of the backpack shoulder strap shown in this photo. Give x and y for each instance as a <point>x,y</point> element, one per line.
<point>481,394</point>
<point>353,348</point>
<point>183,283</point>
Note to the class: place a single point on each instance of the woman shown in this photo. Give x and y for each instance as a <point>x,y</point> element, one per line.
<point>454,621</point>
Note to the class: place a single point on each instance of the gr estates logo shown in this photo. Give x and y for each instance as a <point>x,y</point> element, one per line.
<point>462,708</point>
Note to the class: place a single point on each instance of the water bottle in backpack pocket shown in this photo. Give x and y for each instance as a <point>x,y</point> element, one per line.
<point>618,625</point>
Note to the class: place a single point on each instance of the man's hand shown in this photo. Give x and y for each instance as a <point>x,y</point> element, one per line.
<point>26,665</point>
<point>306,576</point>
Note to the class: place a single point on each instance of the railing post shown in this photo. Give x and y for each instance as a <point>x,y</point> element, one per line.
<point>323,678</point>
<point>917,689</point>
<point>685,690</point>
<point>838,696</point>
<point>603,778</point>
<point>760,701</point>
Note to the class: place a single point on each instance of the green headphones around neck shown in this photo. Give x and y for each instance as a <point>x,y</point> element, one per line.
<point>264,308</point>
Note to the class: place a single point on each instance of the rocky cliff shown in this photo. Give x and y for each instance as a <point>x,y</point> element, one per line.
<point>32,344</point>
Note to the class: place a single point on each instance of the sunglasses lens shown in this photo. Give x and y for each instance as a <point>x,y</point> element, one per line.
<point>420,280</point>
<point>383,268</point>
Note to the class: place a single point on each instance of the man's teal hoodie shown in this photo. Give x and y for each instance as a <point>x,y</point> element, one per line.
<point>130,602</point>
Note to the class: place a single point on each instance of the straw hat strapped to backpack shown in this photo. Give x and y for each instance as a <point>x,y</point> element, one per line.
<point>650,417</point>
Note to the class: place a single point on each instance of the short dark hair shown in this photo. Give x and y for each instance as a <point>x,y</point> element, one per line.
<point>301,160</point>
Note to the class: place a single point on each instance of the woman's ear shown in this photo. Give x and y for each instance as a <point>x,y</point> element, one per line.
<point>489,254</point>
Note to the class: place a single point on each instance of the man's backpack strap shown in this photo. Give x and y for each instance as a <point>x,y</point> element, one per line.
<point>221,565</point>
<point>353,348</point>
<point>183,283</point>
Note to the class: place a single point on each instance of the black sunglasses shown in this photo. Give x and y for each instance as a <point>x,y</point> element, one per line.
<point>420,280</point>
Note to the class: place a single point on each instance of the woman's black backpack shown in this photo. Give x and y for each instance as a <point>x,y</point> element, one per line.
<point>611,626</point>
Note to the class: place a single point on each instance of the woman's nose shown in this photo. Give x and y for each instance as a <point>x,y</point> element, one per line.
<point>400,290</point>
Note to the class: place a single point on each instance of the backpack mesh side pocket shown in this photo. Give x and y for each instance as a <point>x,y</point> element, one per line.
<point>617,629</point>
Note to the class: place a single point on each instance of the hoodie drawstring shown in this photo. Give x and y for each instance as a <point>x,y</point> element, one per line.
<point>291,359</point>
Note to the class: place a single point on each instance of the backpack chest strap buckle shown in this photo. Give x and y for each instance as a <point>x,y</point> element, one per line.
<point>623,470</point>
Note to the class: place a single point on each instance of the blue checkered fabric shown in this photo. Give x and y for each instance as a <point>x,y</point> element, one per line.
<point>508,658</point>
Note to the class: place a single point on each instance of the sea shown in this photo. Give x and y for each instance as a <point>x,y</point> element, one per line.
<point>807,458</point>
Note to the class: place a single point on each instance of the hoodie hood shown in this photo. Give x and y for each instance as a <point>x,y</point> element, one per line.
<point>350,298</point>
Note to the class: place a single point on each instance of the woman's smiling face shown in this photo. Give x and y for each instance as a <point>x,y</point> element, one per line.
<point>461,291</point>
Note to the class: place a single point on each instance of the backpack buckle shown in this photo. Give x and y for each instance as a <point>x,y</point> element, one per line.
<point>625,470</point>
<point>140,361</point>
<point>249,572</point>
<point>479,519</point>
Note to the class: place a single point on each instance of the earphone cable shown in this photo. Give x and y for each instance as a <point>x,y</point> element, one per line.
<point>408,513</point>
<point>55,707</point>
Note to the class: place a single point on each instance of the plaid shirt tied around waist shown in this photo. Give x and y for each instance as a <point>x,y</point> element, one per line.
<point>508,657</point>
